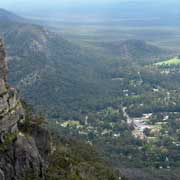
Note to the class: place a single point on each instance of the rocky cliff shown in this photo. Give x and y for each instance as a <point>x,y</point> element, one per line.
<point>19,155</point>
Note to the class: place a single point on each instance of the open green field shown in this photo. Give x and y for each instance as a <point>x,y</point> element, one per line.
<point>172,61</point>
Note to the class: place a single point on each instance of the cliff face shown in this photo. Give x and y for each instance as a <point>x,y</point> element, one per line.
<point>3,65</point>
<point>19,155</point>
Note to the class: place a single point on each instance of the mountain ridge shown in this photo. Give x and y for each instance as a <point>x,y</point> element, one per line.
<point>40,60</point>
<point>136,51</point>
<point>6,15</point>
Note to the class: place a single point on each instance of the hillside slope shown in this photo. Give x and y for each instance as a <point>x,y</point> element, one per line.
<point>9,16</point>
<point>136,51</point>
<point>41,62</point>
<point>28,151</point>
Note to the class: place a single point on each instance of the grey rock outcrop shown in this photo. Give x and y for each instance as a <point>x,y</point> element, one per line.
<point>11,111</point>
<point>21,159</point>
<point>19,153</point>
<point>3,64</point>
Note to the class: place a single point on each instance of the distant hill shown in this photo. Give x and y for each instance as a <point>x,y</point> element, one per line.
<point>9,16</point>
<point>135,51</point>
<point>51,73</point>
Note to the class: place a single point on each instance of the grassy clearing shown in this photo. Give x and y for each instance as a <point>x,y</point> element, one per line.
<point>172,61</point>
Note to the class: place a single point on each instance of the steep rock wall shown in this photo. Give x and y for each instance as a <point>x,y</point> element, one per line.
<point>19,154</point>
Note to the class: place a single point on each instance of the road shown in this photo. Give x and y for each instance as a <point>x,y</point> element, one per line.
<point>139,124</point>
